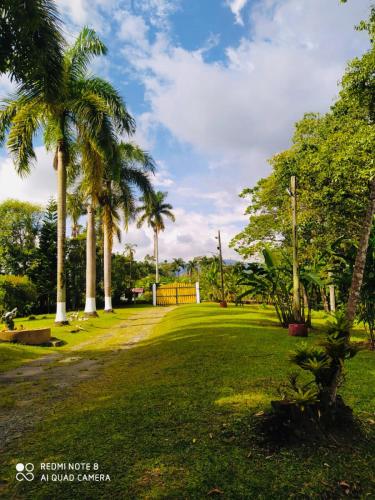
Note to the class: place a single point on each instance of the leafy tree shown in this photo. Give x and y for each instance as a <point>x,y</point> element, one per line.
<point>43,269</point>
<point>17,291</point>
<point>153,211</point>
<point>76,271</point>
<point>359,91</point>
<point>210,273</point>
<point>367,297</point>
<point>20,225</point>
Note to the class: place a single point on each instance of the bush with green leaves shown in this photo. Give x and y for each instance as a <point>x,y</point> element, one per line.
<point>271,282</point>
<point>17,291</point>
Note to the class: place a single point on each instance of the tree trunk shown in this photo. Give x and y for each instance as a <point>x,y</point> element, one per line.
<point>308,307</point>
<point>357,279</point>
<point>90,307</point>
<point>296,282</point>
<point>75,230</point>
<point>324,300</point>
<point>61,318</point>
<point>360,260</point>
<point>156,255</point>
<point>107,267</point>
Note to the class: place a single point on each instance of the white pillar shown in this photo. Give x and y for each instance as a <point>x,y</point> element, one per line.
<point>154,294</point>
<point>197,292</point>
<point>332,298</point>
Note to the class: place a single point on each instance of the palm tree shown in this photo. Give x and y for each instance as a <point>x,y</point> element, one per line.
<point>95,156</point>
<point>152,212</point>
<point>191,267</point>
<point>129,252</point>
<point>75,207</point>
<point>177,265</point>
<point>127,169</point>
<point>32,44</point>
<point>79,106</point>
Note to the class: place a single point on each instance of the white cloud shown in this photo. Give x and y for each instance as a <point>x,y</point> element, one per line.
<point>191,235</point>
<point>157,11</point>
<point>245,108</point>
<point>235,114</point>
<point>132,29</point>
<point>37,187</point>
<point>236,6</point>
<point>6,86</point>
<point>162,177</point>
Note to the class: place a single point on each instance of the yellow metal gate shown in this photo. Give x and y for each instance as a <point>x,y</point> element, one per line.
<point>176,293</point>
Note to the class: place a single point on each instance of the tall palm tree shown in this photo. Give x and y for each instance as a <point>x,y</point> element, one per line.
<point>177,265</point>
<point>129,252</point>
<point>31,44</point>
<point>127,169</point>
<point>153,212</point>
<point>79,105</point>
<point>191,267</point>
<point>75,207</point>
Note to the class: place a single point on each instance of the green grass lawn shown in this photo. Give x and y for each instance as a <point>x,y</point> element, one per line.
<point>174,418</point>
<point>13,355</point>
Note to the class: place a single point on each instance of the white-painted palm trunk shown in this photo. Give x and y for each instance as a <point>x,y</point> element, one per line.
<point>61,230</point>
<point>107,257</point>
<point>90,306</point>
<point>156,255</point>
<point>60,312</point>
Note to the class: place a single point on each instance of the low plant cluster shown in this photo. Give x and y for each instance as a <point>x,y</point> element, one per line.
<point>314,406</point>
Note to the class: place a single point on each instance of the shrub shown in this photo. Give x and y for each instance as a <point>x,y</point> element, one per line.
<point>17,291</point>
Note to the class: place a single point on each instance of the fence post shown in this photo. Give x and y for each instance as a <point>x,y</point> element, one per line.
<point>154,294</point>
<point>197,292</point>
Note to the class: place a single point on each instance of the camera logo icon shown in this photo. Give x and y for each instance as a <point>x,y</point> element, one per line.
<point>24,472</point>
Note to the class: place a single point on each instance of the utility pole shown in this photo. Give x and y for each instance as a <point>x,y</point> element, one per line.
<point>296,283</point>
<point>221,268</point>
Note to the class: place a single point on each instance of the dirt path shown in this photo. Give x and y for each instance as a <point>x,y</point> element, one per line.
<point>34,388</point>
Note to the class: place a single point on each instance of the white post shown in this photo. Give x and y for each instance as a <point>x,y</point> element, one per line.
<point>197,292</point>
<point>154,294</point>
<point>332,298</point>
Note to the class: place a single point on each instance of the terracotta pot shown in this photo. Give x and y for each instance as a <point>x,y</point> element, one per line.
<point>223,303</point>
<point>297,330</point>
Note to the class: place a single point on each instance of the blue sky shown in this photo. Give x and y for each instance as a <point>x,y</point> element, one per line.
<point>215,86</point>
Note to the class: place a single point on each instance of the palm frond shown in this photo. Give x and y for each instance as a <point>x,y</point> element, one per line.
<point>24,125</point>
<point>86,47</point>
